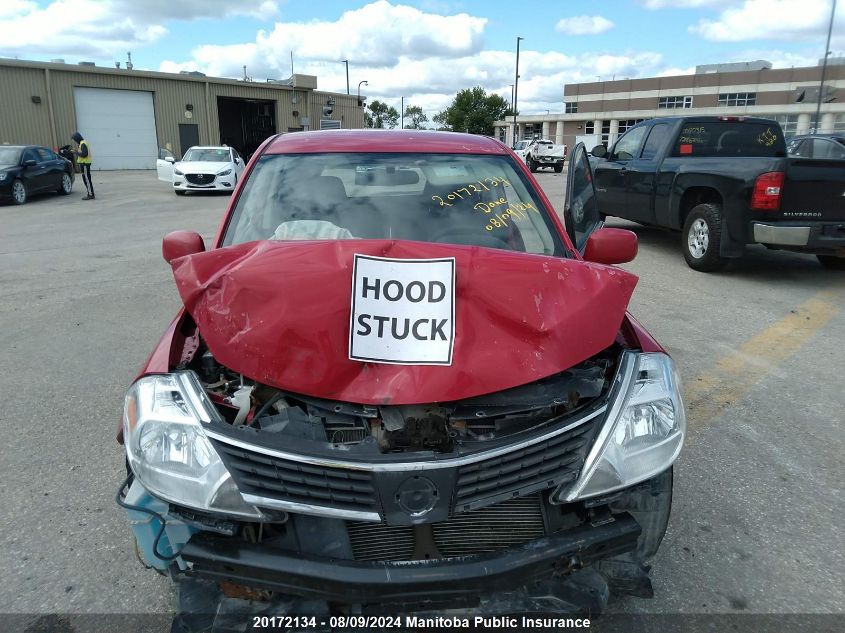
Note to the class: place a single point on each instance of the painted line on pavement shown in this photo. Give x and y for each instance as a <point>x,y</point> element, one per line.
<point>711,393</point>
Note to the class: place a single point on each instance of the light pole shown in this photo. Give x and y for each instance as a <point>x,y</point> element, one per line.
<point>824,68</point>
<point>402,113</point>
<point>359,91</point>
<point>516,89</point>
<point>511,85</point>
<point>346,61</point>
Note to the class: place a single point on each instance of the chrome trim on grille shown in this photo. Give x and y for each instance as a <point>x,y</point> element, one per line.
<point>307,508</point>
<point>434,464</point>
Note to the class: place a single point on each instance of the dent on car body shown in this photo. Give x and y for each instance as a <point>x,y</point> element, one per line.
<point>279,313</point>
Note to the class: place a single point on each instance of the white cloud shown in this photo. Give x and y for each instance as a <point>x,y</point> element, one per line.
<point>682,4</point>
<point>584,25</point>
<point>771,20</point>
<point>104,29</point>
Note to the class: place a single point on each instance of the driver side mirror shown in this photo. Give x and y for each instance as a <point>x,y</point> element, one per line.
<point>29,163</point>
<point>599,151</point>
<point>180,243</point>
<point>170,159</point>
<point>611,246</point>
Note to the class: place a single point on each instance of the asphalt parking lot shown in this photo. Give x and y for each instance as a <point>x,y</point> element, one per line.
<point>756,524</point>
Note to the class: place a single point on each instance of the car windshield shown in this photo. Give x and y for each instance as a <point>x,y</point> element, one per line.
<point>456,199</point>
<point>9,155</point>
<point>521,145</point>
<point>201,155</point>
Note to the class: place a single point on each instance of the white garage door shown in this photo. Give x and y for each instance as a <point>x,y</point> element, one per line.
<point>120,124</point>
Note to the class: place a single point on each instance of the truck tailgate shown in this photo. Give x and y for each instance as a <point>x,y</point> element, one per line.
<point>814,190</point>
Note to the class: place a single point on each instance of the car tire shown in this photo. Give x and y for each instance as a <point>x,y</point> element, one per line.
<point>66,184</point>
<point>179,192</point>
<point>832,262</point>
<point>701,238</point>
<point>558,169</point>
<point>19,192</point>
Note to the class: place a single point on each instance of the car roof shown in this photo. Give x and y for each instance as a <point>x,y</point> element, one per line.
<point>709,118</point>
<point>208,147</point>
<point>389,141</point>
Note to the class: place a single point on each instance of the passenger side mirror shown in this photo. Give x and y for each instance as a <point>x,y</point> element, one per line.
<point>599,151</point>
<point>29,163</point>
<point>180,243</point>
<point>611,246</point>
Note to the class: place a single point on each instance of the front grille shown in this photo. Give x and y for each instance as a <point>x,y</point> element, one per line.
<point>200,179</point>
<point>481,531</point>
<point>287,480</point>
<point>537,467</point>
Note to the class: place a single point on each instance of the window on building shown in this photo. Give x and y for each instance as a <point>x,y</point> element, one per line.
<point>627,124</point>
<point>788,123</point>
<point>532,130</point>
<point>571,108</point>
<point>590,127</point>
<point>839,123</point>
<point>605,133</point>
<point>674,102</point>
<point>502,132</point>
<point>737,99</point>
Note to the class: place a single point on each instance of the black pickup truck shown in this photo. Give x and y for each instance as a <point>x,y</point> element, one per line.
<point>724,182</point>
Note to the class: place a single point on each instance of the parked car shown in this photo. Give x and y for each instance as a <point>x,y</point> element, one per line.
<point>724,182</point>
<point>399,381</point>
<point>30,169</point>
<point>201,168</point>
<point>822,146</point>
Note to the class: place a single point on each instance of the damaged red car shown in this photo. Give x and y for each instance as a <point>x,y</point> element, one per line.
<point>400,380</point>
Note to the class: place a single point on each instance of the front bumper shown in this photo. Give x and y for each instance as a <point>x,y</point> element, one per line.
<point>417,582</point>
<point>189,182</point>
<point>810,237</point>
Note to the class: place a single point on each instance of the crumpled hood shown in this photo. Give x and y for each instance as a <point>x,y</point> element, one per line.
<point>279,313</point>
<point>200,167</point>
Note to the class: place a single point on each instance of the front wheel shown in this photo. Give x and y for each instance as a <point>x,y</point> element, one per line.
<point>832,262</point>
<point>701,238</point>
<point>532,165</point>
<point>19,192</point>
<point>66,185</point>
<point>558,168</point>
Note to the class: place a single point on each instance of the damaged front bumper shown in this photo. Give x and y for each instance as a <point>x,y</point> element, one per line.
<point>403,582</point>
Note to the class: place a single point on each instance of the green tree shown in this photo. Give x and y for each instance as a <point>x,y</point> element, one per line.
<point>415,117</point>
<point>382,115</point>
<point>473,111</point>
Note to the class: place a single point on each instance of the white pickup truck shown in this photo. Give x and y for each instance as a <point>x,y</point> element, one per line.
<point>541,153</point>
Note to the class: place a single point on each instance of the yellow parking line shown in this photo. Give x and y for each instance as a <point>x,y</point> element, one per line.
<point>734,374</point>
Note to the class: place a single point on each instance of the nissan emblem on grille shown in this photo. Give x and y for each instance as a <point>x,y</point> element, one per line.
<point>416,496</point>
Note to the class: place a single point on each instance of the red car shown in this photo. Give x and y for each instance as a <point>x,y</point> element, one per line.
<point>400,382</point>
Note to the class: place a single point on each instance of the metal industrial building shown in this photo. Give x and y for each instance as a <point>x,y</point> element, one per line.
<point>129,115</point>
<point>602,110</point>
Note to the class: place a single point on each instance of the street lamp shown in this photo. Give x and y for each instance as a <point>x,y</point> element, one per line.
<point>824,69</point>
<point>516,88</point>
<point>359,91</point>
<point>346,61</point>
<point>402,112</point>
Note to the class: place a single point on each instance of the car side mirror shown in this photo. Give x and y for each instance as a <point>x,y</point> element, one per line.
<point>180,243</point>
<point>611,246</point>
<point>29,163</point>
<point>599,151</point>
<point>170,159</point>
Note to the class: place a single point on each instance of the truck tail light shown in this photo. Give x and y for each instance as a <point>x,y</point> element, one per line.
<point>768,189</point>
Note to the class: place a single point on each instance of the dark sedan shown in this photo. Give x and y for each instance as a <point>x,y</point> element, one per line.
<point>30,169</point>
<point>826,146</point>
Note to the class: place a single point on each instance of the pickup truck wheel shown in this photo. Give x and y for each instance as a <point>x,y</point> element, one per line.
<point>701,237</point>
<point>832,262</point>
<point>558,169</point>
<point>532,165</point>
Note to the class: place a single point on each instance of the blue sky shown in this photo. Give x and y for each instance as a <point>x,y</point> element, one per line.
<point>424,50</point>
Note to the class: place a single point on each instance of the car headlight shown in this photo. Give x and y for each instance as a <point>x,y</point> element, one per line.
<point>224,173</point>
<point>168,450</point>
<point>3,175</point>
<point>643,434</point>
<point>178,173</point>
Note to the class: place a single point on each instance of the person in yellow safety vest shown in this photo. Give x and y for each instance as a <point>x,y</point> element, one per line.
<point>83,159</point>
